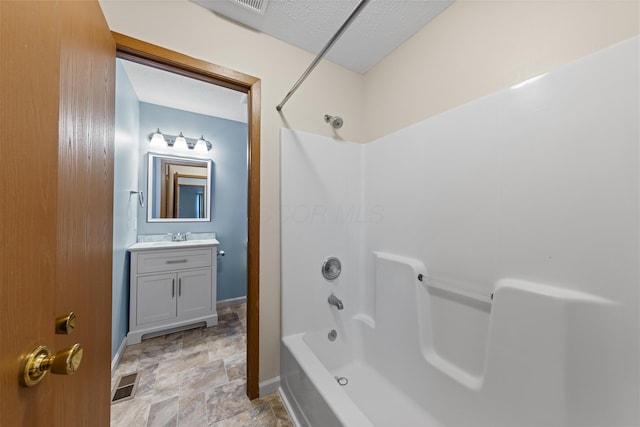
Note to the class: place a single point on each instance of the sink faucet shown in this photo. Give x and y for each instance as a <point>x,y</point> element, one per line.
<point>179,237</point>
<point>334,300</point>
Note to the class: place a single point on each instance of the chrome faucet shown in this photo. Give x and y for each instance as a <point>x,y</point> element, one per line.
<point>334,300</point>
<point>179,237</point>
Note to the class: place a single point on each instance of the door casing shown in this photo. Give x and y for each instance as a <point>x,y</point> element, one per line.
<point>145,53</point>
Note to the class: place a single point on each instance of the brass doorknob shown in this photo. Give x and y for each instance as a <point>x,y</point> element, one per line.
<point>40,361</point>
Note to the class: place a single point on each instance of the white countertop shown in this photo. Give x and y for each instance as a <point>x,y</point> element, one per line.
<point>167,244</point>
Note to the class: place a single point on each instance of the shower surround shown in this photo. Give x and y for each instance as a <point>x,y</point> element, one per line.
<point>489,261</point>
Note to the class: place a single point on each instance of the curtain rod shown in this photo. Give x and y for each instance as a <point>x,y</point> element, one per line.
<point>324,50</point>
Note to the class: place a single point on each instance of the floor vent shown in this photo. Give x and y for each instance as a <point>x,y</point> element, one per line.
<point>126,388</point>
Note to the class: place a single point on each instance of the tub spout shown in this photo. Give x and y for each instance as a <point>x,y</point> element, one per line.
<point>333,300</point>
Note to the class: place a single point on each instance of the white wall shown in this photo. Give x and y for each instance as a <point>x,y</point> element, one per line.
<point>538,182</point>
<point>322,216</point>
<point>476,47</point>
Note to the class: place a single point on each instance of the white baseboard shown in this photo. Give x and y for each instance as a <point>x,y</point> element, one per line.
<point>269,386</point>
<point>119,354</point>
<point>231,301</point>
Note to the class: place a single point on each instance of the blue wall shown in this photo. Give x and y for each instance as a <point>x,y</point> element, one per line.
<point>229,185</point>
<point>124,204</point>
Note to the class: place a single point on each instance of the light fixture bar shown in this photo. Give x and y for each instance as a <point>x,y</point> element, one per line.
<point>170,140</point>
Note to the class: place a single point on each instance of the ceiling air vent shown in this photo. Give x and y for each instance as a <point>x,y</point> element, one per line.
<point>257,6</point>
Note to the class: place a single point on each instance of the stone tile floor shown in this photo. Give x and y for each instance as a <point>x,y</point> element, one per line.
<point>195,378</point>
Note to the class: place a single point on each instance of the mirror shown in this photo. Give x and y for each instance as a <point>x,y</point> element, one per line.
<point>179,189</point>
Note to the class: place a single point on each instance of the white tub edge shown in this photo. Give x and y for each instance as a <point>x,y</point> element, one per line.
<point>345,410</point>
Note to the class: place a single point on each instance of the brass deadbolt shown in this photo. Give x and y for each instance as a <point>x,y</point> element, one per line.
<point>66,324</point>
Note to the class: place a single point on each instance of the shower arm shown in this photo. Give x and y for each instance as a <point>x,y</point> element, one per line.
<point>324,50</point>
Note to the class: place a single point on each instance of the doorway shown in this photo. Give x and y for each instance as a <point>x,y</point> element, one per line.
<point>159,58</point>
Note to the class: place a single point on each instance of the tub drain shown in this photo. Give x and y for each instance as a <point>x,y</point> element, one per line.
<point>342,381</point>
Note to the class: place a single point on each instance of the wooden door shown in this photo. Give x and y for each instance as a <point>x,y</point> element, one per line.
<point>57,65</point>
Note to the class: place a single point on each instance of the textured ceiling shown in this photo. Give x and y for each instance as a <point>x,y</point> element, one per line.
<point>160,87</point>
<point>381,27</point>
<point>309,24</point>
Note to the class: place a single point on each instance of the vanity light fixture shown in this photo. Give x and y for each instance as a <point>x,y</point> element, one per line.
<point>180,142</point>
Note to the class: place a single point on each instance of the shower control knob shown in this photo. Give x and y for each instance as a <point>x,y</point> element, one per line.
<point>331,268</point>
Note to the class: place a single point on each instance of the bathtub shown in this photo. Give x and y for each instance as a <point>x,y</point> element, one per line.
<point>312,393</point>
<point>528,354</point>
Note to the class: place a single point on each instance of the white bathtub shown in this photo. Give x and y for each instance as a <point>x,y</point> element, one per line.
<point>313,394</point>
<point>310,391</point>
<point>433,357</point>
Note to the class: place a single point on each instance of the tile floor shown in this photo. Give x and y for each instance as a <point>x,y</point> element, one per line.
<point>195,378</point>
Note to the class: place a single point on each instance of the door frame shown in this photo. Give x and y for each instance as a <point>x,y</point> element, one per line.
<point>158,57</point>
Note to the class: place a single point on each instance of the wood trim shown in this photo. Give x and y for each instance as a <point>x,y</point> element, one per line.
<point>253,246</point>
<point>159,57</point>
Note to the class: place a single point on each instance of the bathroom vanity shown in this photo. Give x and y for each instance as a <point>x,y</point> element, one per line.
<point>173,286</point>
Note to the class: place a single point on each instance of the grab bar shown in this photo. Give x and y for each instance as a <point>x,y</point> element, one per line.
<point>454,288</point>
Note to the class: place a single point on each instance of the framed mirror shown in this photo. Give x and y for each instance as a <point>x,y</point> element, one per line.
<point>179,189</point>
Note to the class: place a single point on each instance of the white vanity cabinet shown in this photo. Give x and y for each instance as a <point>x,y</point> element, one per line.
<point>171,286</point>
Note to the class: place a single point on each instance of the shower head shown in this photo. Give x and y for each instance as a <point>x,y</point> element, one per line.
<point>335,121</point>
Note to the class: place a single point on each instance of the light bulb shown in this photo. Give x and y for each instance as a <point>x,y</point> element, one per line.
<point>201,145</point>
<point>180,143</point>
<point>157,140</point>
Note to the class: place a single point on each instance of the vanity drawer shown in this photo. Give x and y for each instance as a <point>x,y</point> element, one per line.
<point>153,262</point>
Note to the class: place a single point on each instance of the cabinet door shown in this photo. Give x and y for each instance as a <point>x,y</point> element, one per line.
<point>195,293</point>
<point>156,299</point>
